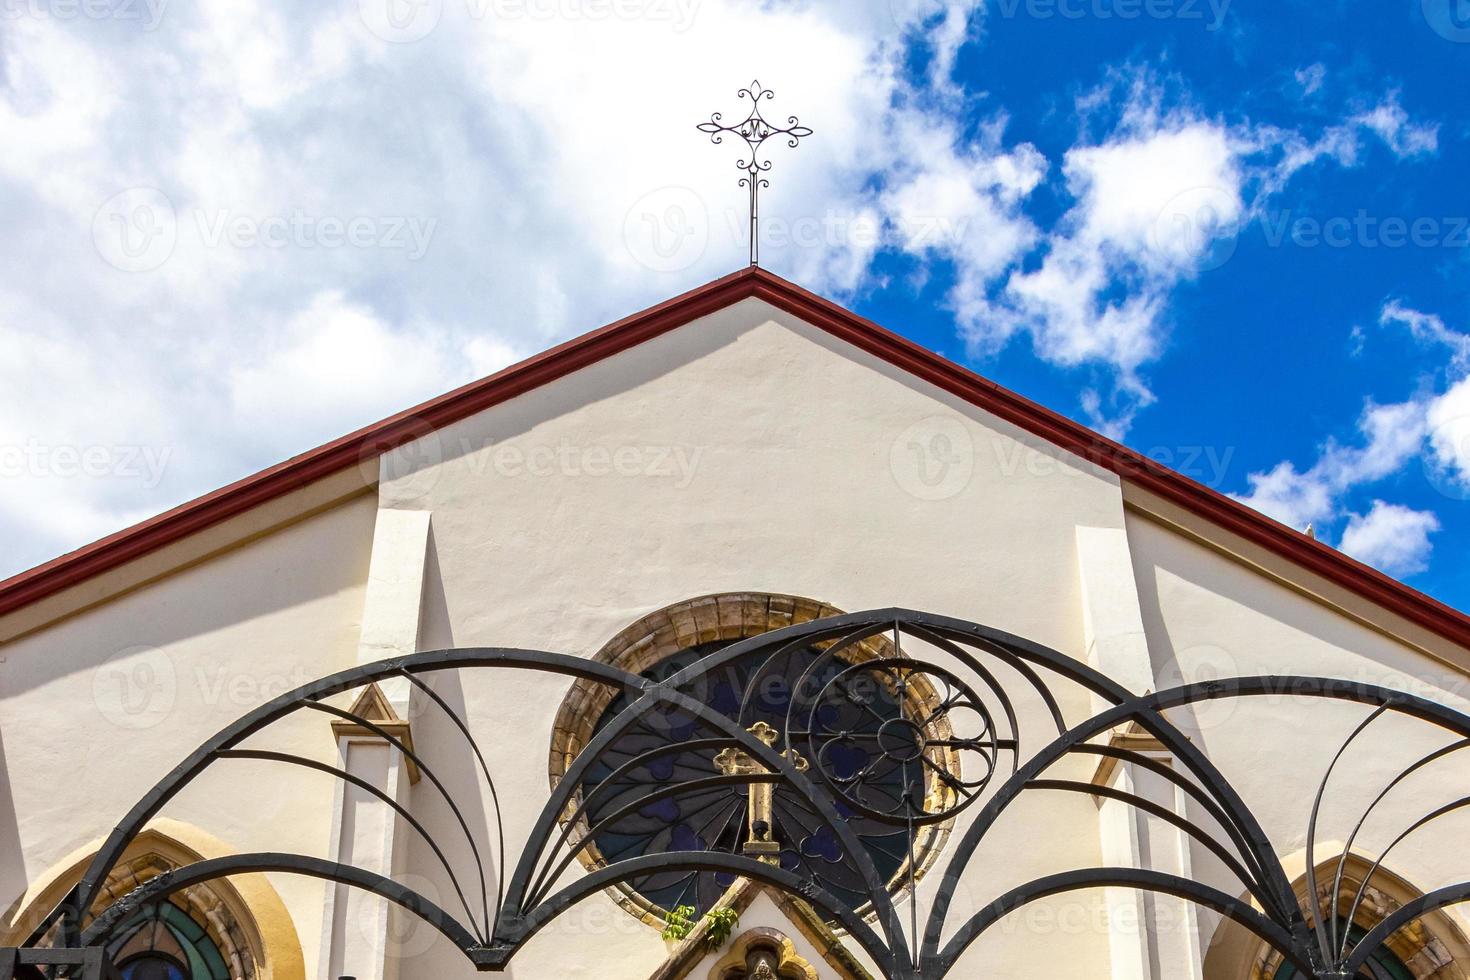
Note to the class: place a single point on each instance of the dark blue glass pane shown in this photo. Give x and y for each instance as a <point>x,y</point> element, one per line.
<point>168,921</point>
<point>853,709</point>
<point>153,968</point>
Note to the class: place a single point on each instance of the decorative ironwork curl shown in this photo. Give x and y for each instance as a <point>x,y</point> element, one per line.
<point>755,130</point>
<point>960,666</point>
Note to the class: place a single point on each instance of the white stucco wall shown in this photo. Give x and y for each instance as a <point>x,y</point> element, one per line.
<point>746,451</point>
<point>804,481</point>
<point>1206,617</point>
<point>94,710</point>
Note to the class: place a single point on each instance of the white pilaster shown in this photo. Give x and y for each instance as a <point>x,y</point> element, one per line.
<point>1152,938</point>
<point>395,595</point>
<point>358,927</point>
<point>1112,620</point>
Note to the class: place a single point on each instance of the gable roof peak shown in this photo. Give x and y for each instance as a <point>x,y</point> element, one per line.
<point>374,440</point>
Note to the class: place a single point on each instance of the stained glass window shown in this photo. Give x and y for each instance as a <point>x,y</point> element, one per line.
<point>163,942</point>
<point>714,818</point>
<point>1382,965</point>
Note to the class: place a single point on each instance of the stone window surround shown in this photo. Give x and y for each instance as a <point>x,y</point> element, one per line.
<point>672,630</point>
<point>1433,947</point>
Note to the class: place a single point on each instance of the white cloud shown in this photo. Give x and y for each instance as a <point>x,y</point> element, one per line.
<point>964,203</point>
<point>1447,414</point>
<point>1342,142</point>
<point>1432,426</point>
<point>1390,537</point>
<point>335,366</point>
<point>1157,201</point>
<point>1429,329</point>
<point>1311,78</point>
<point>547,153</point>
<point>1391,434</point>
<point>528,142</point>
<point>955,27</point>
<point>1449,437</point>
<point>1392,124</point>
<point>1152,202</point>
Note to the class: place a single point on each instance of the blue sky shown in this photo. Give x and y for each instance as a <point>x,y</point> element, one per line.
<point>1294,326</point>
<point>1233,234</point>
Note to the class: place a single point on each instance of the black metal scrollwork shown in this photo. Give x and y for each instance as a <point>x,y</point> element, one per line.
<point>942,736</point>
<point>755,130</point>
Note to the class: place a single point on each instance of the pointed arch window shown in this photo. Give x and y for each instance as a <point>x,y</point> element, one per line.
<point>1383,965</point>
<point>162,942</point>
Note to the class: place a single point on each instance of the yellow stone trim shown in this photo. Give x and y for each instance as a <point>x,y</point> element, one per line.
<point>740,896</point>
<point>827,940</point>
<point>789,963</point>
<point>253,902</point>
<point>1433,947</point>
<point>373,705</point>
<point>1133,739</point>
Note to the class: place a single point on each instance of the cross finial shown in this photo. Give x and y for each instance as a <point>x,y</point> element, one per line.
<point>755,129</point>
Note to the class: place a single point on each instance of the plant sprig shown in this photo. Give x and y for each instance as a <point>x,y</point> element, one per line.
<point>722,923</point>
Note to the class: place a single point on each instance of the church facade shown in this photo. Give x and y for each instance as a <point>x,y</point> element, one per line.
<point>740,638</point>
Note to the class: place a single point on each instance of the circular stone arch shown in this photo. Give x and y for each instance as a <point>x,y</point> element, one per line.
<point>724,617</point>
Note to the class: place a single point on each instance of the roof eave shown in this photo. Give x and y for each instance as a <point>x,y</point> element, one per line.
<point>372,441</point>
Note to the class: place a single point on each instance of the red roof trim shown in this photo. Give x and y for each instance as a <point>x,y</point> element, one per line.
<point>367,443</point>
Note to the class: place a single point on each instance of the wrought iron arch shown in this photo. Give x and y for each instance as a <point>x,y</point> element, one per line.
<point>981,670</point>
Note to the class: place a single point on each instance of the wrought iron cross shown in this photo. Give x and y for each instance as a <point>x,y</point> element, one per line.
<point>755,130</point>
